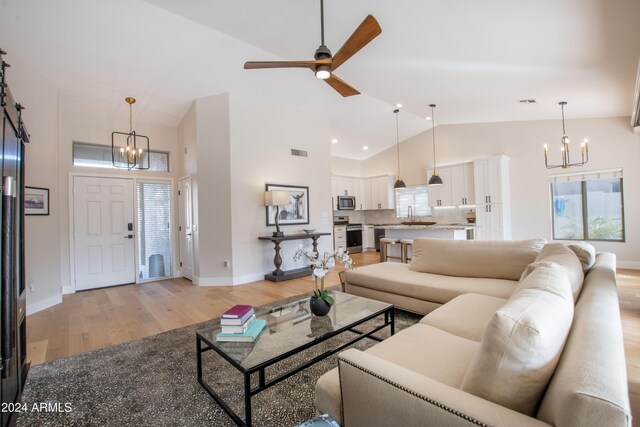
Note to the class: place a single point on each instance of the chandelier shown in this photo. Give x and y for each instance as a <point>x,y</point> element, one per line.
<point>131,149</point>
<point>566,157</point>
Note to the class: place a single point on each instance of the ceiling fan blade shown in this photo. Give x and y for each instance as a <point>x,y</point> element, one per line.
<point>253,65</point>
<point>339,85</point>
<point>368,30</point>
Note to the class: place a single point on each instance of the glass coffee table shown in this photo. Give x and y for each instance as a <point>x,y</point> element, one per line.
<point>291,328</point>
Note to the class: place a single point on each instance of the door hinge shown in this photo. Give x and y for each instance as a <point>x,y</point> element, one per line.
<point>180,264</point>
<point>179,228</point>
<point>178,192</point>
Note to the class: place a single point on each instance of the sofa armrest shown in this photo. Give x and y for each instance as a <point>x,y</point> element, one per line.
<point>376,392</point>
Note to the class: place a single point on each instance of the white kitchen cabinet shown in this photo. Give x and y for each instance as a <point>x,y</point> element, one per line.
<point>346,186</point>
<point>493,203</point>
<point>361,200</point>
<point>340,237</point>
<point>334,192</point>
<point>368,238</point>
<point>382,193</point>
<point>491,179</point>
<point>462,185</point>
<point>440,195</point>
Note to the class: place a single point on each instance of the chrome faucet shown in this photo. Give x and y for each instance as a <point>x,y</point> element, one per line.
<point>410,213</point>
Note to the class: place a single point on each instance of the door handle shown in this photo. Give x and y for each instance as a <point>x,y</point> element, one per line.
<point>188,234</point>
<point>129,236</point>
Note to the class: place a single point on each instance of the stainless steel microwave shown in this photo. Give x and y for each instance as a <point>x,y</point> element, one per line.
<point>346,202</point>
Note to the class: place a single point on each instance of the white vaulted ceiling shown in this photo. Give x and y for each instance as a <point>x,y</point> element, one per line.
<point>474,59</point>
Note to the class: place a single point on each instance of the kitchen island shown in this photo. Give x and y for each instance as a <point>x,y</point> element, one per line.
<point>437,231</point>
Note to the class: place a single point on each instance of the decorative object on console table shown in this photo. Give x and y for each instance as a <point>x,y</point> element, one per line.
<point>276,198</point>
<point>321,301</point>
<point>295,211</point>
<point>36,201</point>
<point>279,275</point>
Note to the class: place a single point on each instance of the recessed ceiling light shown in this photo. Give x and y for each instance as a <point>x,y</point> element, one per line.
<point>365,147</point>
<point>428,118</point>
<point>334,141</point>
<point>398,105</point>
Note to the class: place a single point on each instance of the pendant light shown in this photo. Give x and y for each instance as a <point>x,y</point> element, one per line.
<point>566,158</point>
<point>130,155</point>
<point>435,178</point>
<point>399,182</point>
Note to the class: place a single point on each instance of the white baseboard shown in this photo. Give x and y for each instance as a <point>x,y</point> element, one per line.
<point>212,281</point>
<point>44,304</point>
<point>68,290</point>
<point>632,265</point>
<point>249,278</point>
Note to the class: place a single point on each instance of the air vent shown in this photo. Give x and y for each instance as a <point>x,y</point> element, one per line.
<point>527,101</point>
<point>298,153</point>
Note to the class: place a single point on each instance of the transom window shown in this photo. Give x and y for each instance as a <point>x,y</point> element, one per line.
<point>99,156</point>
<point>588,206</point>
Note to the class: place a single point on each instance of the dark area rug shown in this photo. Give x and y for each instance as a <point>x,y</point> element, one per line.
<point>152,382</point>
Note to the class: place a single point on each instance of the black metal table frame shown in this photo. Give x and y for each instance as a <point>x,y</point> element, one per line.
<point>263,384</point>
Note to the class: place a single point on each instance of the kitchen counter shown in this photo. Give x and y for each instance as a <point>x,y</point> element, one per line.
<point>427,227</point>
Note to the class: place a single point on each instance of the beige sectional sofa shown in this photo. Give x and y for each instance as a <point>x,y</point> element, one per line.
<point>543,349</point>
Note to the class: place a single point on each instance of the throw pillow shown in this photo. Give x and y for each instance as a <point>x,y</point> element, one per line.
<point>494,259</point>
<point>565,259</point>
<point>586,253</point>
<point>523,343</point>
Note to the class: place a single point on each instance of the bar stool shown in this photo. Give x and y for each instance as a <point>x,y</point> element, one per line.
<point>384,249</point>
<point>406,245</point>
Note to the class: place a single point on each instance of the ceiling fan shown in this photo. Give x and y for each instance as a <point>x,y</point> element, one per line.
<point>325,64</point>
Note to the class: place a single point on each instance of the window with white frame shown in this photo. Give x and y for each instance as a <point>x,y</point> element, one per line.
<point>588,206</point>
<point>99,156</point>
<point>415,197</point>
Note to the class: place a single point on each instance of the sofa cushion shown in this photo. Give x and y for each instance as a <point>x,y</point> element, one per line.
<point>586,253</point>
<point>523,342</point>
<point>589,385</point>
<point>466,316</point>
<point>397,278</point>
<point>566,259</point>
<point>496,259</point>
<point>428,351</point>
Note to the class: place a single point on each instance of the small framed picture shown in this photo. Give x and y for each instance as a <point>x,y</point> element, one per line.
<point>296,212</point>
<point>36,201</point>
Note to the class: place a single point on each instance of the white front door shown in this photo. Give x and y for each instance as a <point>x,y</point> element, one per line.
<point>103,232</point>
<point>185,220</point>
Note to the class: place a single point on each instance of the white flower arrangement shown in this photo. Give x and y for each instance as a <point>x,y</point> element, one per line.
<point>321,267</point>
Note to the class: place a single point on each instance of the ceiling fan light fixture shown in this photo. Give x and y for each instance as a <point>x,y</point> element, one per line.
<point>323,72</point>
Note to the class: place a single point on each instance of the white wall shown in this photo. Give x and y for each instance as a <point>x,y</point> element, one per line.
<point>42,252</point>
<point>262,135</point>
<point>612,145</point>
<point>346,167</point>
<point>239,143</point>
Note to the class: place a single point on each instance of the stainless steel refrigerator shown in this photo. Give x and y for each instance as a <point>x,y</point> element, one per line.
<point>13,347</point>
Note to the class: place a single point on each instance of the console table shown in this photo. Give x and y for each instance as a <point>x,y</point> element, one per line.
<point>279,275</point>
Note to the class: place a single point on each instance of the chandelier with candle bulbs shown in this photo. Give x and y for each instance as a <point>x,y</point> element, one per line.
<point>130,150</point>
<point>564,149</point>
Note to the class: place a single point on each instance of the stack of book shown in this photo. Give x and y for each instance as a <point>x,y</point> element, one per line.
<point>239,324</point>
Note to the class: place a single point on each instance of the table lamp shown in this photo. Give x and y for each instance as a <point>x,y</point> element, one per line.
<point>276,198</point>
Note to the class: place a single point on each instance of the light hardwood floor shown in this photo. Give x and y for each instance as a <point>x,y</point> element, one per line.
<point>94,319</point>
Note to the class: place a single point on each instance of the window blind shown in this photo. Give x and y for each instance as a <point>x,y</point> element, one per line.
<point>154,229</point>
<point>416,197</point>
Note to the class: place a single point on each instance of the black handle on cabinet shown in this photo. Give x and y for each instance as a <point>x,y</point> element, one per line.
<point>8,270</point>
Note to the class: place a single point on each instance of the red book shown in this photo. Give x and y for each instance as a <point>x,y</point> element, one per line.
<point>237,311</point>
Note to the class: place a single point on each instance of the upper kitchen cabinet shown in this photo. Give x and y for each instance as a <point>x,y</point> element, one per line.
<point>346,186</point>
<point>361,194</point>
<point>462,185</point>
<point>440,195</point>
<point>382,193</point>
<point>491,179</point>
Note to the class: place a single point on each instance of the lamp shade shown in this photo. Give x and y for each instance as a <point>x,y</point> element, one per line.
<point>276,198</point>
